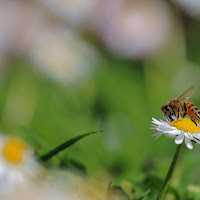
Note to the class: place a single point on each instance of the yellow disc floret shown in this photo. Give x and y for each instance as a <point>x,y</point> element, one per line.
<point>13,150</point>
<point>186,124</point>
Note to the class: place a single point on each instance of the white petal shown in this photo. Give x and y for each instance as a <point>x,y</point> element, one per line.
<point>157,136</point>
<point>197,141</point>
<point>166,128</point>
<point>173,132</point>
<point>155,121</point>
<point>188,143</point>
<point>196,135</point>
<point>179,139</point>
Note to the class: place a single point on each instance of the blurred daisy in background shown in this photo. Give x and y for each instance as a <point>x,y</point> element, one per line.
<point>183,129</point>
<point>18,167</point>
<point>133,28</point>
<point>48,190</point>
<point>191,7</point>
<point>19,20</point>
<point>40,192</point>
<point>62,55</point>
<point>78,13</point>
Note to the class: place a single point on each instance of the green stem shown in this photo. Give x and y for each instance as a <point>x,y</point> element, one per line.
<point>169,174</point>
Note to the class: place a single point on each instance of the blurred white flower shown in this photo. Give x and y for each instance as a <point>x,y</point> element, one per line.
<point>18,167</point>
<point>76,12</point>
<point>40,192</point>
<point>62,54</point>
<point>45,190</point>
<point>18,21</point>
<point>134,28</point>
<point>192,7</point>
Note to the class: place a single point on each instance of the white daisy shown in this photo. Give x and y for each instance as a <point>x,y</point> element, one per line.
<point>183,129</point>
<point>18,168</point>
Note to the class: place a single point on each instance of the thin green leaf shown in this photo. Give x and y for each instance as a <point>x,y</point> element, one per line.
<point>65,145</point>
<point>144,195</point>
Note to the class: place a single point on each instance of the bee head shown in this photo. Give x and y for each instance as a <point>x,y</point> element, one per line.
<point>165,109</point>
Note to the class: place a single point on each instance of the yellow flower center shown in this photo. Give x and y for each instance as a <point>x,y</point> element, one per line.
<point>186,124</point>
<point>13,150</point>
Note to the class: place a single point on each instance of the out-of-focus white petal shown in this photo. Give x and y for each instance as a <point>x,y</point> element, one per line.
<point>179,139</point>
<point>188,143</point>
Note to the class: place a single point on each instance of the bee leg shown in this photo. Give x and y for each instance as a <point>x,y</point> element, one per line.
<point>170,117</point>
<point>178,113</point>
<point>185,110</point>
<point>194,122</point>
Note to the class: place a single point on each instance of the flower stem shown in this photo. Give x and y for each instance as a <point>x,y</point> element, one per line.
<point>169,174</point>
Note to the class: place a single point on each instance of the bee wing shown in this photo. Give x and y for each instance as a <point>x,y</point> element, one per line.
<point>185,96</point>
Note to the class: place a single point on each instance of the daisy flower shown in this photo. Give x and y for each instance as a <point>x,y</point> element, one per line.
<point>183,129</point>
<point>18,167</point>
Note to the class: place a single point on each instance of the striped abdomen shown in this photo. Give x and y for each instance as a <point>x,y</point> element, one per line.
<point>193,111</point>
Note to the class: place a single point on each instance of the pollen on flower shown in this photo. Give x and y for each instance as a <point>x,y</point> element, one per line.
<point>13,150</point>
<point>186,124</point>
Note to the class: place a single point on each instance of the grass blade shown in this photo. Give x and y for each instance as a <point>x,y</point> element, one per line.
<point>65,145</point>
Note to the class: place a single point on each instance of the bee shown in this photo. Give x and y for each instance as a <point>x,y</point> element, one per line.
<point>180,107</point>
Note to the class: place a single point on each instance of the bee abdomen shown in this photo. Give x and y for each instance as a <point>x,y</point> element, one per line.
<point>198,113</point>
<point>191,108</point>
<point>195,109</point>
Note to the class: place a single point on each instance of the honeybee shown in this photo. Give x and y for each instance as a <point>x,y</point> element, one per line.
<point>180,107</point>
